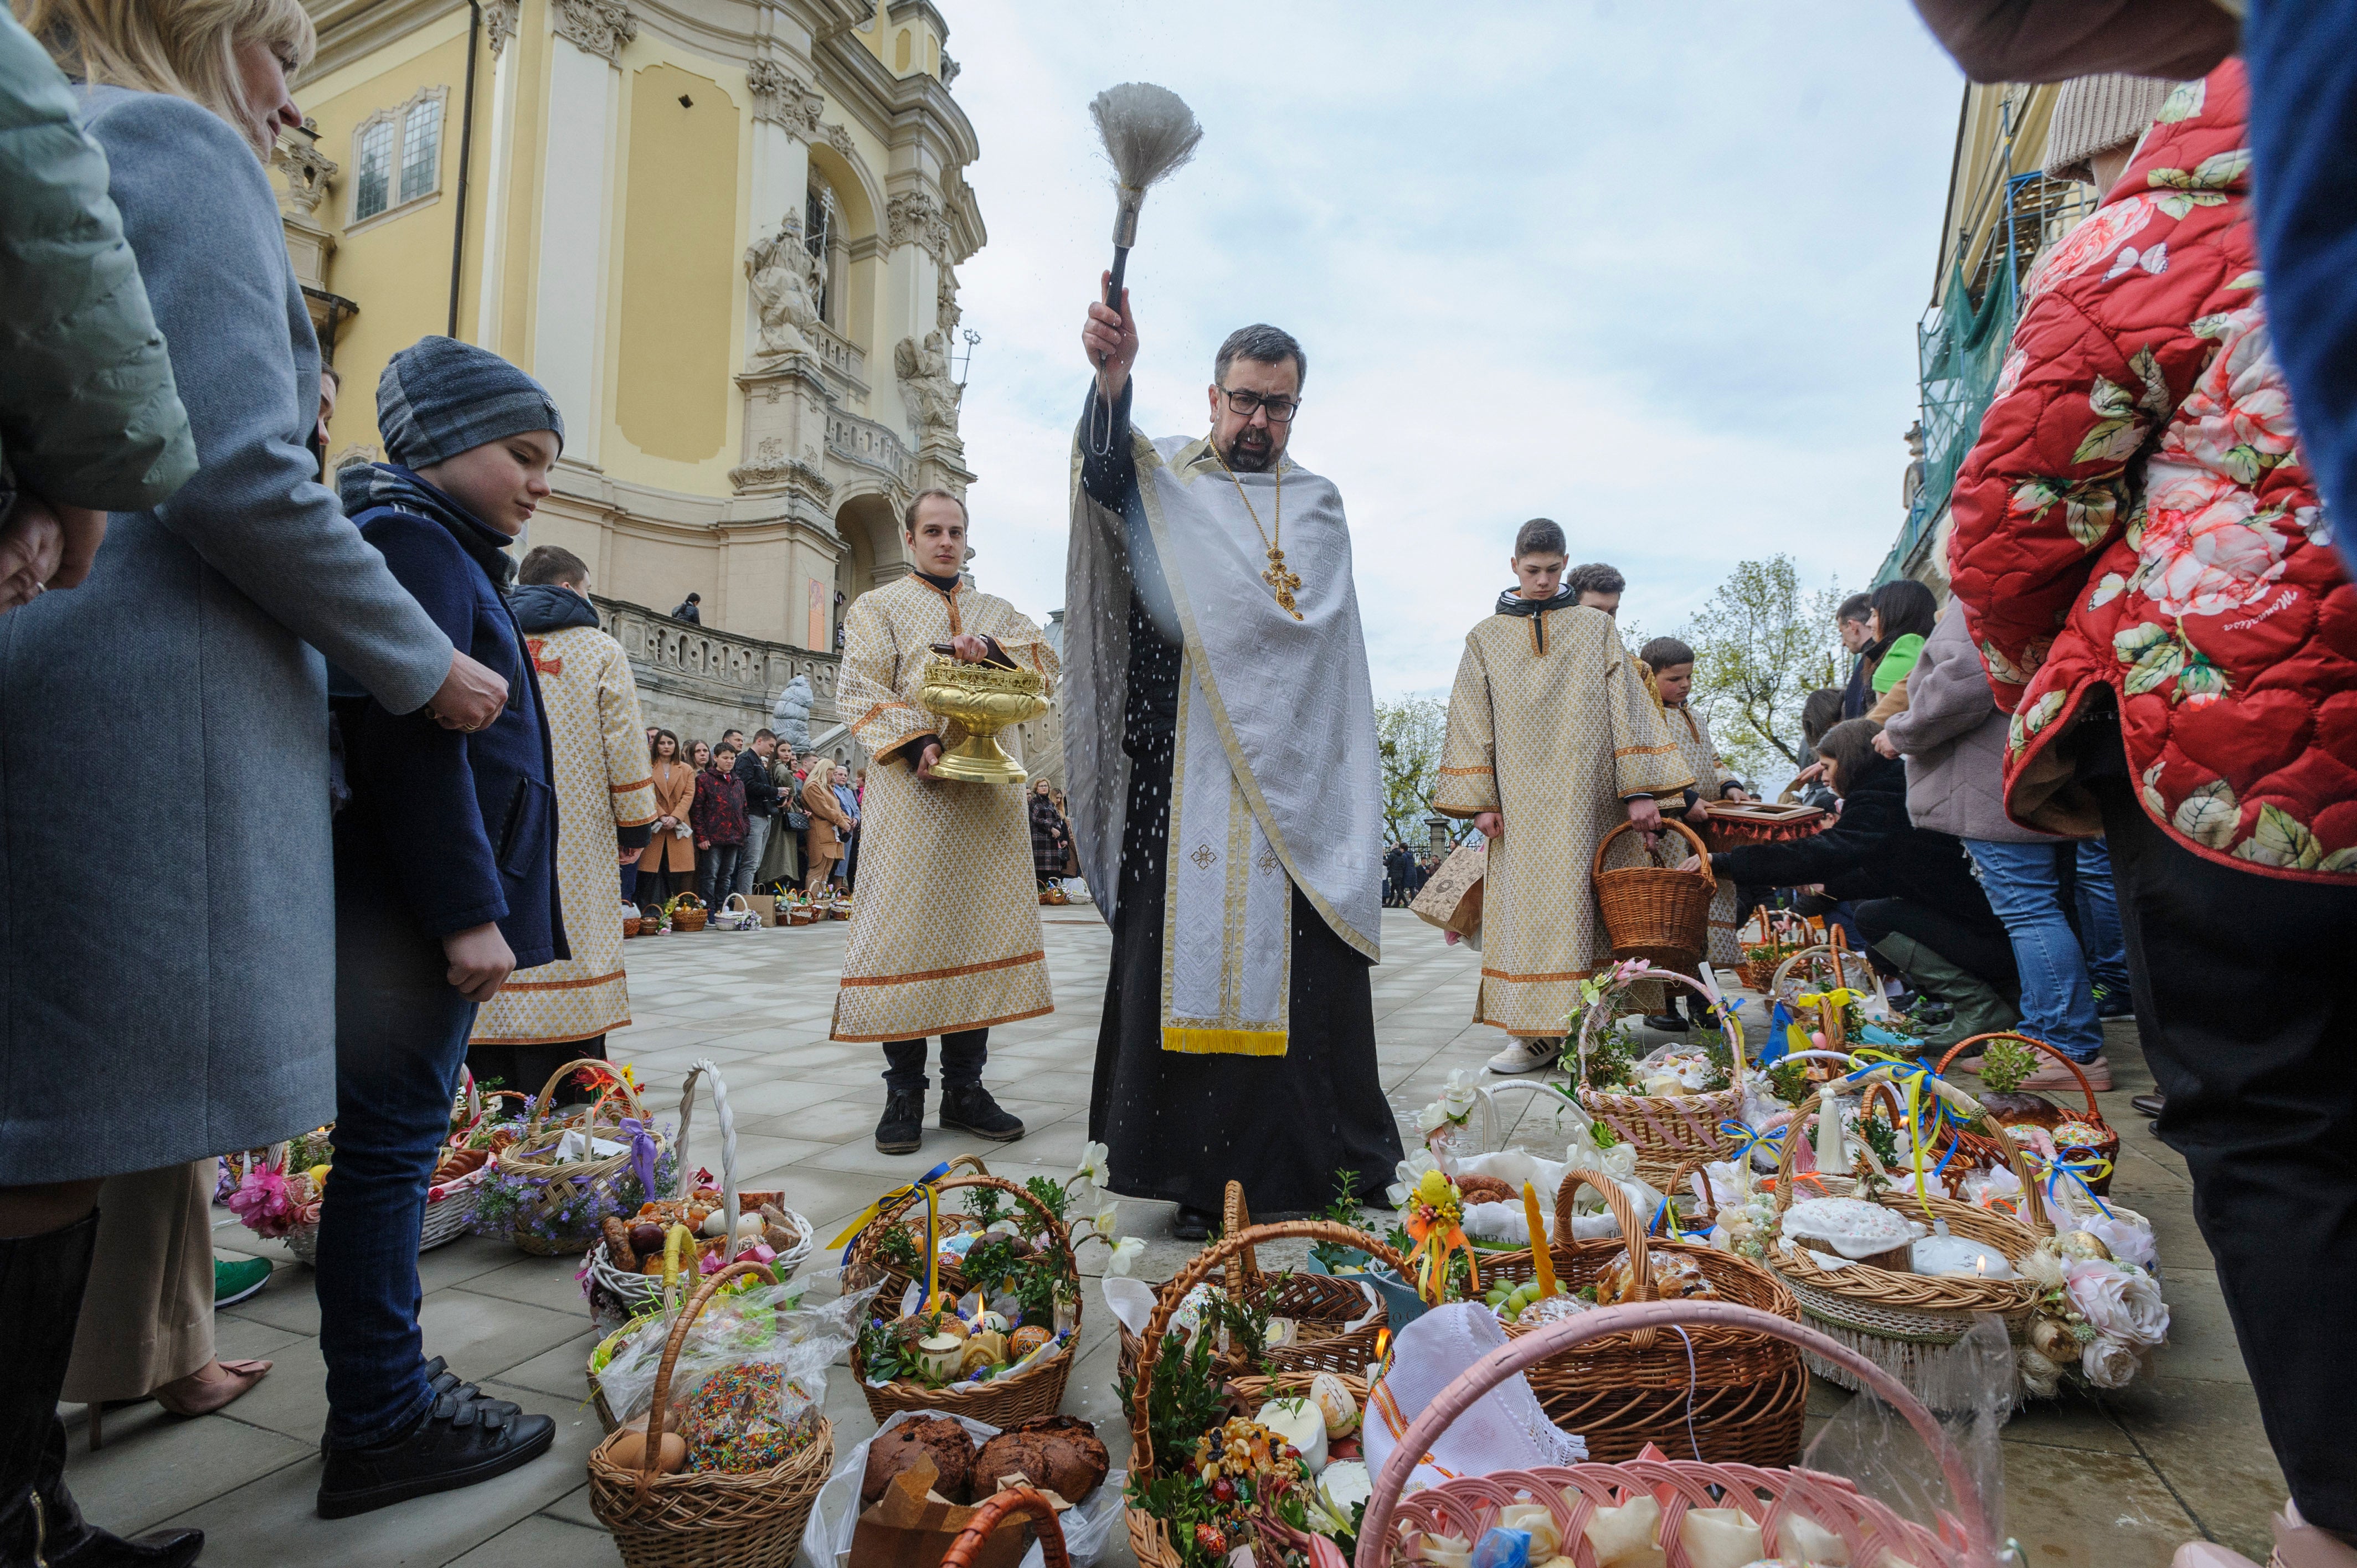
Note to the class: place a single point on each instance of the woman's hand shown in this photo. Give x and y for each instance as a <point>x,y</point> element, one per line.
<point>480,961</point>
<point>1884,746</point>
<point>1811,774</point>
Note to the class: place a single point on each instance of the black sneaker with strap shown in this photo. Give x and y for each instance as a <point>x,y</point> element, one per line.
<point>968,1107</point>
<point>465,1436</point>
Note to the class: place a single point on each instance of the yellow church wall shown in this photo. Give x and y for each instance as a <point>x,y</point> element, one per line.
<point>675,294</point>
<point>397,265</point>
<point>520,239</point>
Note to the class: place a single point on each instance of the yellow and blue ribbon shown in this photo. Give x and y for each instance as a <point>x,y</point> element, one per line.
<point>923,1183</point>
<point>1928,1112</point>
<point>1748,1138</point>
<point>2093,1167</point>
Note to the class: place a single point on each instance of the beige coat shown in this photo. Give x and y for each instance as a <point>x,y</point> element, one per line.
<point>828,824</point>
<point>674,795</point>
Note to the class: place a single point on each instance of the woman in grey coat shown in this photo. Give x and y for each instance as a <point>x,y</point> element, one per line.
<point>189,1008</point>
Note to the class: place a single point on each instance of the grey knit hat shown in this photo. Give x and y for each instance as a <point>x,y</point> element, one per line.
<point>440,397</point>
<point>2096,114</point>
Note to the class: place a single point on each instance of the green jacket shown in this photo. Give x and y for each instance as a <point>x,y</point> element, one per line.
<point>89,414</point>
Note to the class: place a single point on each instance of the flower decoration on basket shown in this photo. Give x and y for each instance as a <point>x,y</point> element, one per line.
<point>281,1191</point>
<point>1434,1219</point>
<point>1446,1122</point>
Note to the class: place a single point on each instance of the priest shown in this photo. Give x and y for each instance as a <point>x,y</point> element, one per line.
<point>1220,750</point>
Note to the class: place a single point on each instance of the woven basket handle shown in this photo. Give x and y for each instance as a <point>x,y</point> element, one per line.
<point>1559,1102</point>
<point>1015,1499</point>
<point>542,1101</point>
<point>1700,849</point>
<point>1632,1234</point>
<point>2095,1111</point>
<point>1569,1334</point>
<point>660,1408</point>
<point>1213,1259</point>
<point>1235,1218</point>
<point>687,899</point>
<point>681,1165</point>
<point>2033,1203</point>
<point>1709,1216</point>
<point>1057,1236</point>
<point>472,1097</point>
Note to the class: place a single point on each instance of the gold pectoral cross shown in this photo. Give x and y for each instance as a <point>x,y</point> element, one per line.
<point>1282,580</point>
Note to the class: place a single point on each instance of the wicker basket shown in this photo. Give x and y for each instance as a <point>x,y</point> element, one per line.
<point>1468,1506</point>
<point>615,1295</point>
<point>1783,933</point>
<point>1828,965</point>
<point>1906,1322</point>
<point>1036,1391</point>
<point>448,1204</point>
<point>1742,1397</point>
<point>1665,1130</point>
<point>707,1519</point>
<point>1323,1307</point>
<point>1149,1537</point>
<point>1657,913</point>
<point>565,1184</point>
<point>1976,1150</point>
<point>629,920</point>
<point>687,912</point>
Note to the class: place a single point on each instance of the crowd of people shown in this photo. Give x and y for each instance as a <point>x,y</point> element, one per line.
<point>2114,774</point>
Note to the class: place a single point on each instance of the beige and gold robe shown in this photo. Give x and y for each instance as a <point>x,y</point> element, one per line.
<point>1550,726</point>
<point>1690,733</point>
<point>945,926</point>
<point>599,743</point>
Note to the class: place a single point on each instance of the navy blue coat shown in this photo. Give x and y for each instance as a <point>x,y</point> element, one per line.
<point>460,828</point>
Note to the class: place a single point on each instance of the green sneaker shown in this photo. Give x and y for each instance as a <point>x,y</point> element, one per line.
<point>235,1281</point>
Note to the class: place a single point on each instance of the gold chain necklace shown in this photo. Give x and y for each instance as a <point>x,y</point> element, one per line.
<point>1281,579</point>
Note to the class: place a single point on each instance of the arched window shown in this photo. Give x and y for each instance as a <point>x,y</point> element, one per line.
<point>397,156</point>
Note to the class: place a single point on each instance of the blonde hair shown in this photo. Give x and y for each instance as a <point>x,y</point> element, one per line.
<point>184,48</point>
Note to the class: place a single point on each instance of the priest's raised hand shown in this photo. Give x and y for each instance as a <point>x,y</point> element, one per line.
<point>1110,341</point>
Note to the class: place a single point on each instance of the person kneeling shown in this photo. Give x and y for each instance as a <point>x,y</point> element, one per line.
<point>446,881</point>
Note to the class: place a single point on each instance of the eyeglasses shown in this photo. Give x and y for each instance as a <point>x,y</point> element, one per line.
<point>1280,410</point>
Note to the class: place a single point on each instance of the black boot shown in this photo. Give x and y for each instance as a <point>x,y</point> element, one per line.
<point>903,1127</point>
<point>1193,1224</point>
<point>463,1437</point>
<point>968,1107</point>
<point>41,1280</point>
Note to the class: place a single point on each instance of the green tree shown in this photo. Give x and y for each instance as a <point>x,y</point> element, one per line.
<point>1410,734</point>
<point>1761,644</point>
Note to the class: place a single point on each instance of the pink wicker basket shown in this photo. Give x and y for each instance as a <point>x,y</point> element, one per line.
<point>1467,1506</point>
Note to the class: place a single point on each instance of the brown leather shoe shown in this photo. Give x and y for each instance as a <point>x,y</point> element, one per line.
<point>2148,1104</point>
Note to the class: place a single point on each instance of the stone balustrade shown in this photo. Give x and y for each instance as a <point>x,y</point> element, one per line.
<point>870,445</point>
<point>697,682</point>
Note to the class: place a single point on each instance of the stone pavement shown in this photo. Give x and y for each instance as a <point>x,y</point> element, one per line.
<point>2115,1482</point>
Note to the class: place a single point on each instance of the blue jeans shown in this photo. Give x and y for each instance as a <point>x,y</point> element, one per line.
<point>401,1035</point>
<point>2099,918</point>
<point>2057,1005</point>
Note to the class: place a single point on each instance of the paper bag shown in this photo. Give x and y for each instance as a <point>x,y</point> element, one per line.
<point>1452,899</point>
<point>764,905</point>
<point>908,1528</point>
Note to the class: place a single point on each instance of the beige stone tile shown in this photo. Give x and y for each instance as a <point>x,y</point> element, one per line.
<point>155,1465</point>
<point>543,1540</point>
<point>2205,1440</point>
<point>2072,1507</point>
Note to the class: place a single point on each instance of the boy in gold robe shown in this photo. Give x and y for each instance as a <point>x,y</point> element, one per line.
<point>1552,742</point>
<point>945,929</point>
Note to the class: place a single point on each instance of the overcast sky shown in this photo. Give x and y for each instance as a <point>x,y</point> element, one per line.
<point>1652,270</point>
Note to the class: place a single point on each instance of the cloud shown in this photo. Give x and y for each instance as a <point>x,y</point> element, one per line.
<point>1650,271</point>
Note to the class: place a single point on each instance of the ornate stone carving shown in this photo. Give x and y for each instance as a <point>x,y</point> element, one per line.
<point>838,136</point>
<point>925,383</point>
<point>771,466</point>
<point>499,18</point>
<point>946,314</point>
<point>783,99</point>
<point>308,171</point>
<point>950,70</point>
<point>914,218</point>
<point>599,26</point>
<point>785,284</point>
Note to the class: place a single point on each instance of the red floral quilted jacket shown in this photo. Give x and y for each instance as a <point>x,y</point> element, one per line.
<point>2137,514</point>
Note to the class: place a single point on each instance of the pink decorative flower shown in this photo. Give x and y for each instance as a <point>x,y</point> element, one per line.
<point>262,1201</point>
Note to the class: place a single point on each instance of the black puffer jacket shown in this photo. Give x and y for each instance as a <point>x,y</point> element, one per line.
<point>1872,850</point>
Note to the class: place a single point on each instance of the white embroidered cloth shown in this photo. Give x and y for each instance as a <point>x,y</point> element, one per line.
<point>1506,1430</point>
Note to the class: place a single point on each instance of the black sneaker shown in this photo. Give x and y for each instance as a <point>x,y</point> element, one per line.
<point>969,1108</point>
<point>903,1127</point>
<point>1668,1023</point>
<point>464,1438</point>
<point>1193,1224</point>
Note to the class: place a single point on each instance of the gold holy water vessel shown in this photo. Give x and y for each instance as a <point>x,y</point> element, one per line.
<point>983,699</point>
